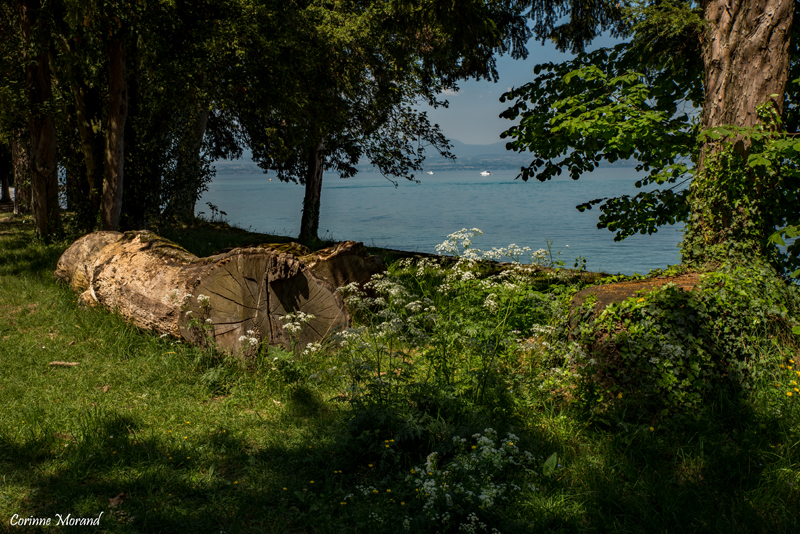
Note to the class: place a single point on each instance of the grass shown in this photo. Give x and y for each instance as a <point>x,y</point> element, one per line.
<point>160,437</point>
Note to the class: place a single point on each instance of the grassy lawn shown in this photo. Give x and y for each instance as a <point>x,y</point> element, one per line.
<point>164,437</point>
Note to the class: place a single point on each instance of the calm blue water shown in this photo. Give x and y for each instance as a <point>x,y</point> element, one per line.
<point>417,217</point>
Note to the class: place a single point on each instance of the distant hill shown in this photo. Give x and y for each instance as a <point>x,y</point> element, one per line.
<point>478,157</point>
<point>494,156</point>
<point>468,157</point>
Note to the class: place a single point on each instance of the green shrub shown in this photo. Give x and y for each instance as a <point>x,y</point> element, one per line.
<point>670,348</point>
<point>436,342</point>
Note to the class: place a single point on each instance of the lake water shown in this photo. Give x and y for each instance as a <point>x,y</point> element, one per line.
<point>417,217</point>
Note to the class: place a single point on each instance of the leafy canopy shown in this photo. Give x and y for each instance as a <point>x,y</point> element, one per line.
<point>642,101</point>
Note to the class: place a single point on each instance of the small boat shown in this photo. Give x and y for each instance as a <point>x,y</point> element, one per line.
<point>486,173</point>
<point>430,172</point>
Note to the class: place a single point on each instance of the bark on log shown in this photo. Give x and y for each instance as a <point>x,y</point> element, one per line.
<point>155,284</point>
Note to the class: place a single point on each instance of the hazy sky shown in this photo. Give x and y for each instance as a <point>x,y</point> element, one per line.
<point>473,115</point>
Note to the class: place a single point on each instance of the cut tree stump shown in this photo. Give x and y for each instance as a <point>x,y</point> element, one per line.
<point>620,291</point>
<point>157,285</point>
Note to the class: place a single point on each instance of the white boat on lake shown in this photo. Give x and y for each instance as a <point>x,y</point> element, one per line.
<point>486,173</point>
<point>430,172</point>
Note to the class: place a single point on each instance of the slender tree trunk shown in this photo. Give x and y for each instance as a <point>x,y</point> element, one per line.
<point>88,110</point>
<point>189,179</point>
<point>190,166</point>
<point>141,185</point>
<point>43,162</point>
<point>745,51</point>
<point>111,204</point>
<point>22,174</point>
<point>309,227</point>
<point>5,175</point>
<point>5,189</point>
<point>198,133</point>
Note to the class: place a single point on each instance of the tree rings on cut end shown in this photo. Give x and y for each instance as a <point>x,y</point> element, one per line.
<point>238,299</point>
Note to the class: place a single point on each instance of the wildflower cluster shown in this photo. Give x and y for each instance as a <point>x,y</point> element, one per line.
<point>250,339</point>
<point>293,322</point>
<point>204,301</point>
<point>459,244</point>
<point>792,378</point>
<point>176,297</point>
<point>449,324</point>
<point>479,478</point>
<point>200,323</point>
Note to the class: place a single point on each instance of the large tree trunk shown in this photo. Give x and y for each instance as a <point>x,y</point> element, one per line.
<point>746,56</point>
<point>42,127</point>
<point>309,226</point>
<point>111,205</point>
<point>22,175</point>
<point>157,285</point>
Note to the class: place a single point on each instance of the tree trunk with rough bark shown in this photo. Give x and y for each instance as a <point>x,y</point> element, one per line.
<point>309,226</point>
<point>746,57</point>
<point>745,50</point>
<point>111,204</point>
<point>42,127</point>
<point>157,285</point>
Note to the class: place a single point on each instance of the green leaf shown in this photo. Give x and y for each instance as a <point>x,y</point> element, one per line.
<point>550,465</point>
<point>796,330</point>
<point>777,239</point>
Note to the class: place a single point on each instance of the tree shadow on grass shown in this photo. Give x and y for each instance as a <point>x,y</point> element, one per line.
<point>143,483</point>
<point>707,472</point>
<point>21,254</point>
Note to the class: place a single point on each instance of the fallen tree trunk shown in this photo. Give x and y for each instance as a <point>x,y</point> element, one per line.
<point>235,299</point>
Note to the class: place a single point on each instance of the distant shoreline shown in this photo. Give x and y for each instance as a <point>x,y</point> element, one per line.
<point>235,167</point>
